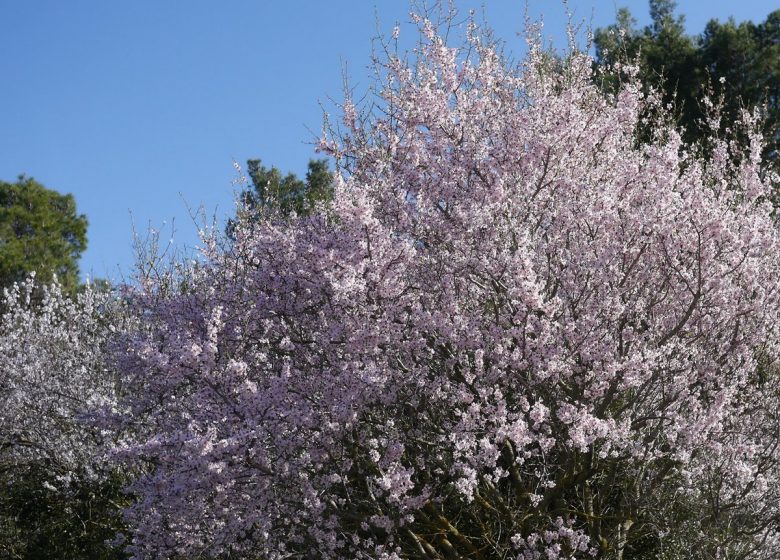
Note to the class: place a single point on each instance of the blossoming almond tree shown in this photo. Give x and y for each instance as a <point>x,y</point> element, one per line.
<point>515,332</point>
<point>56,488</point>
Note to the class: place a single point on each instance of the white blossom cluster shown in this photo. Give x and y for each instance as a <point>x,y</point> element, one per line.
<point>53,373</point>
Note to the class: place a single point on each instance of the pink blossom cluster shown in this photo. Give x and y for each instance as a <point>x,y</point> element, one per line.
<point>532,323</point>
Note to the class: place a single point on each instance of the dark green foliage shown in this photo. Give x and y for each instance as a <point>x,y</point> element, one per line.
<point>667,57</point>
<point>289,194</point>
<point>687,68</point>
<point>747,55</point>
<point>271,191</point>
<point>43,517</point>
<point>41,231</point>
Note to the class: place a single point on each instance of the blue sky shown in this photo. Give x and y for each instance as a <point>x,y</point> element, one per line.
<point>139,107</point>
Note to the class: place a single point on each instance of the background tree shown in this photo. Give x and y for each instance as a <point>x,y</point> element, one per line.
<point>747,55</point>
<point>40,231</point>
<point>285,194</point>
<point>686,68</point>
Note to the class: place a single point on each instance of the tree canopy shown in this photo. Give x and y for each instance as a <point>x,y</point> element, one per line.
<point>40,231</point>
<point>516,332</point>
<point>59,497</point>
<point>740,61</point>
<point>285,193</point>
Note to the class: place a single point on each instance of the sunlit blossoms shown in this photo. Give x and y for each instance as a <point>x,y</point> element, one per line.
<point>59,495</point>
<point>531,324</point>
<point>53,374</point>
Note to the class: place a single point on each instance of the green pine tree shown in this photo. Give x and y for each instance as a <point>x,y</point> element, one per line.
<point>41,231</point>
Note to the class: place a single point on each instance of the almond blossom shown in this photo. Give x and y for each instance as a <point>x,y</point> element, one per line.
<point>532,323</point>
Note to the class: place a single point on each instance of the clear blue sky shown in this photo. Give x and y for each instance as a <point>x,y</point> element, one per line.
<point>138,106</point>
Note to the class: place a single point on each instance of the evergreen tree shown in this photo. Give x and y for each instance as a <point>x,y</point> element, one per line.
<point>746,56</point>
<point>286,193</point>
<point>40,231</point>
